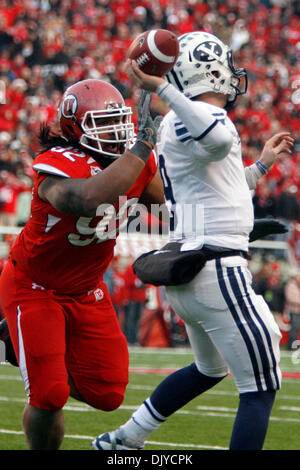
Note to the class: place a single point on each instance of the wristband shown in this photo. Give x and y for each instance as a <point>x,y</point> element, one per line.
<point>160,89</point>
<point>264,170</point>
<point>141,150</point>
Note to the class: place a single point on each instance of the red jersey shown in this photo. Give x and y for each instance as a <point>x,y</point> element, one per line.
<point>67,253</point>
<point>136,289</point>
<point>9,196</point>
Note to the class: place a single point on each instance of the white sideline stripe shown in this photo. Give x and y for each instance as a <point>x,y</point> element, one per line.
<point>151,388</point>
<point>11,377</point>
<point>217,412</point>
<point>289,408</point>
<point>179,351</point>
<point>160,351</point>
<point>90,438</point>
<point>185,445</point>
<point>216,408</point>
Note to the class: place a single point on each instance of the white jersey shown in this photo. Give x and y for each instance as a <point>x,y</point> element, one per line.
<point>201,164</point>
<point>199,152</point>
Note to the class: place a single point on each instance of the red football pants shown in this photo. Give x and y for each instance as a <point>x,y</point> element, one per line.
<point>55,336</point>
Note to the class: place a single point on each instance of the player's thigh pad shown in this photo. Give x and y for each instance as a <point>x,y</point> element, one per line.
<point>97,353</point>
<point>37,328</point>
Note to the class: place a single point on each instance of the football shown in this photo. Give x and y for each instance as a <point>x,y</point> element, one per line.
<point>155,51</point>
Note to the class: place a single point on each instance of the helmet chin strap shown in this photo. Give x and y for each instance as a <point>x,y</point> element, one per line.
<point>103,160</point>
<point>75,120</point>
<point>230,103</point>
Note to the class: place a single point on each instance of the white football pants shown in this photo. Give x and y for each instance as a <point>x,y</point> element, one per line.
<point>230,328</point>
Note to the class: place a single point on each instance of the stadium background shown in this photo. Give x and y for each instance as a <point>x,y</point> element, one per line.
<point>47,45</point>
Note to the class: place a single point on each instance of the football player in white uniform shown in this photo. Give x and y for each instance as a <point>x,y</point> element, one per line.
<point>207,192</point>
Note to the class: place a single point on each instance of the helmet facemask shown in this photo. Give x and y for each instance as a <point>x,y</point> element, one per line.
<point>111,140</point>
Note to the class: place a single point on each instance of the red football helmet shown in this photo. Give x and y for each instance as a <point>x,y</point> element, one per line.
<point>93,113</point>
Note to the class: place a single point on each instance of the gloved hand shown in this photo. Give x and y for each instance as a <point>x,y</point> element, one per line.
<point>264,227</point>
<point>147,128</point>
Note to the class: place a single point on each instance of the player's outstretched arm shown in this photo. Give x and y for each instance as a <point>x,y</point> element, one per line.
<point>275,147</point>
<point>81,196</point>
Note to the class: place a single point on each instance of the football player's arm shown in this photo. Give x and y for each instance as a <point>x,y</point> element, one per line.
<point>82,196</point>
<point>153,200</point>
<point>153,193</point>
<point>277,145</point>
<point>205,129</point>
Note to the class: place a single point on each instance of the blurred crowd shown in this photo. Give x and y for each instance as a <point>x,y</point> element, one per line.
<point>144,312</point>
<point>47,45</point>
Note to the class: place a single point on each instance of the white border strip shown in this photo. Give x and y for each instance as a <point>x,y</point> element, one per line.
<point>155,51</point>
<point>22,359</point>
<point>49,169</point>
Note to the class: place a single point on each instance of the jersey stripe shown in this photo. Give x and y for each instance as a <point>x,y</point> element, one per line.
<point>45,168</point>
<point>251,325</point>
<point>181,131</point>
<point>22,359</point>
<point>153,412</point>
<point>239,324</point>
<point>265,329</point>
<point>207,130</point>
<point>253,328</point>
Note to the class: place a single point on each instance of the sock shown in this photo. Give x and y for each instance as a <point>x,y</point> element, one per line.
<point>170,395</point>
<point>252,419</point>
<point>180,388</point>
<point>141,424</point>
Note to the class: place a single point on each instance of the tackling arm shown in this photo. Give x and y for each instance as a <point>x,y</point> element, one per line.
<point>80,196</point>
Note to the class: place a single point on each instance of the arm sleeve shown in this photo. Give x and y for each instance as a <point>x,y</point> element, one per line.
<point>203,126</point>
<point>253,173</point>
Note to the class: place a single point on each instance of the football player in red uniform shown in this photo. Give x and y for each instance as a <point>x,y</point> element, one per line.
<point>62,323</point>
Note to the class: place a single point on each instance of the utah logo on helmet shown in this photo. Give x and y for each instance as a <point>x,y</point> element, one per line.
<point>69,106</point>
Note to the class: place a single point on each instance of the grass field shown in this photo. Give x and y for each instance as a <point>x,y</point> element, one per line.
<point>203,424</point>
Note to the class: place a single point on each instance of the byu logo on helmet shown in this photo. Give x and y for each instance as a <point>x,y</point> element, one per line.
<point>214,50</point>
<point>69,106</point>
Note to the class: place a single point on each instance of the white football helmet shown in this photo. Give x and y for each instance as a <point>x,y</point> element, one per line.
<point>205,64</point>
